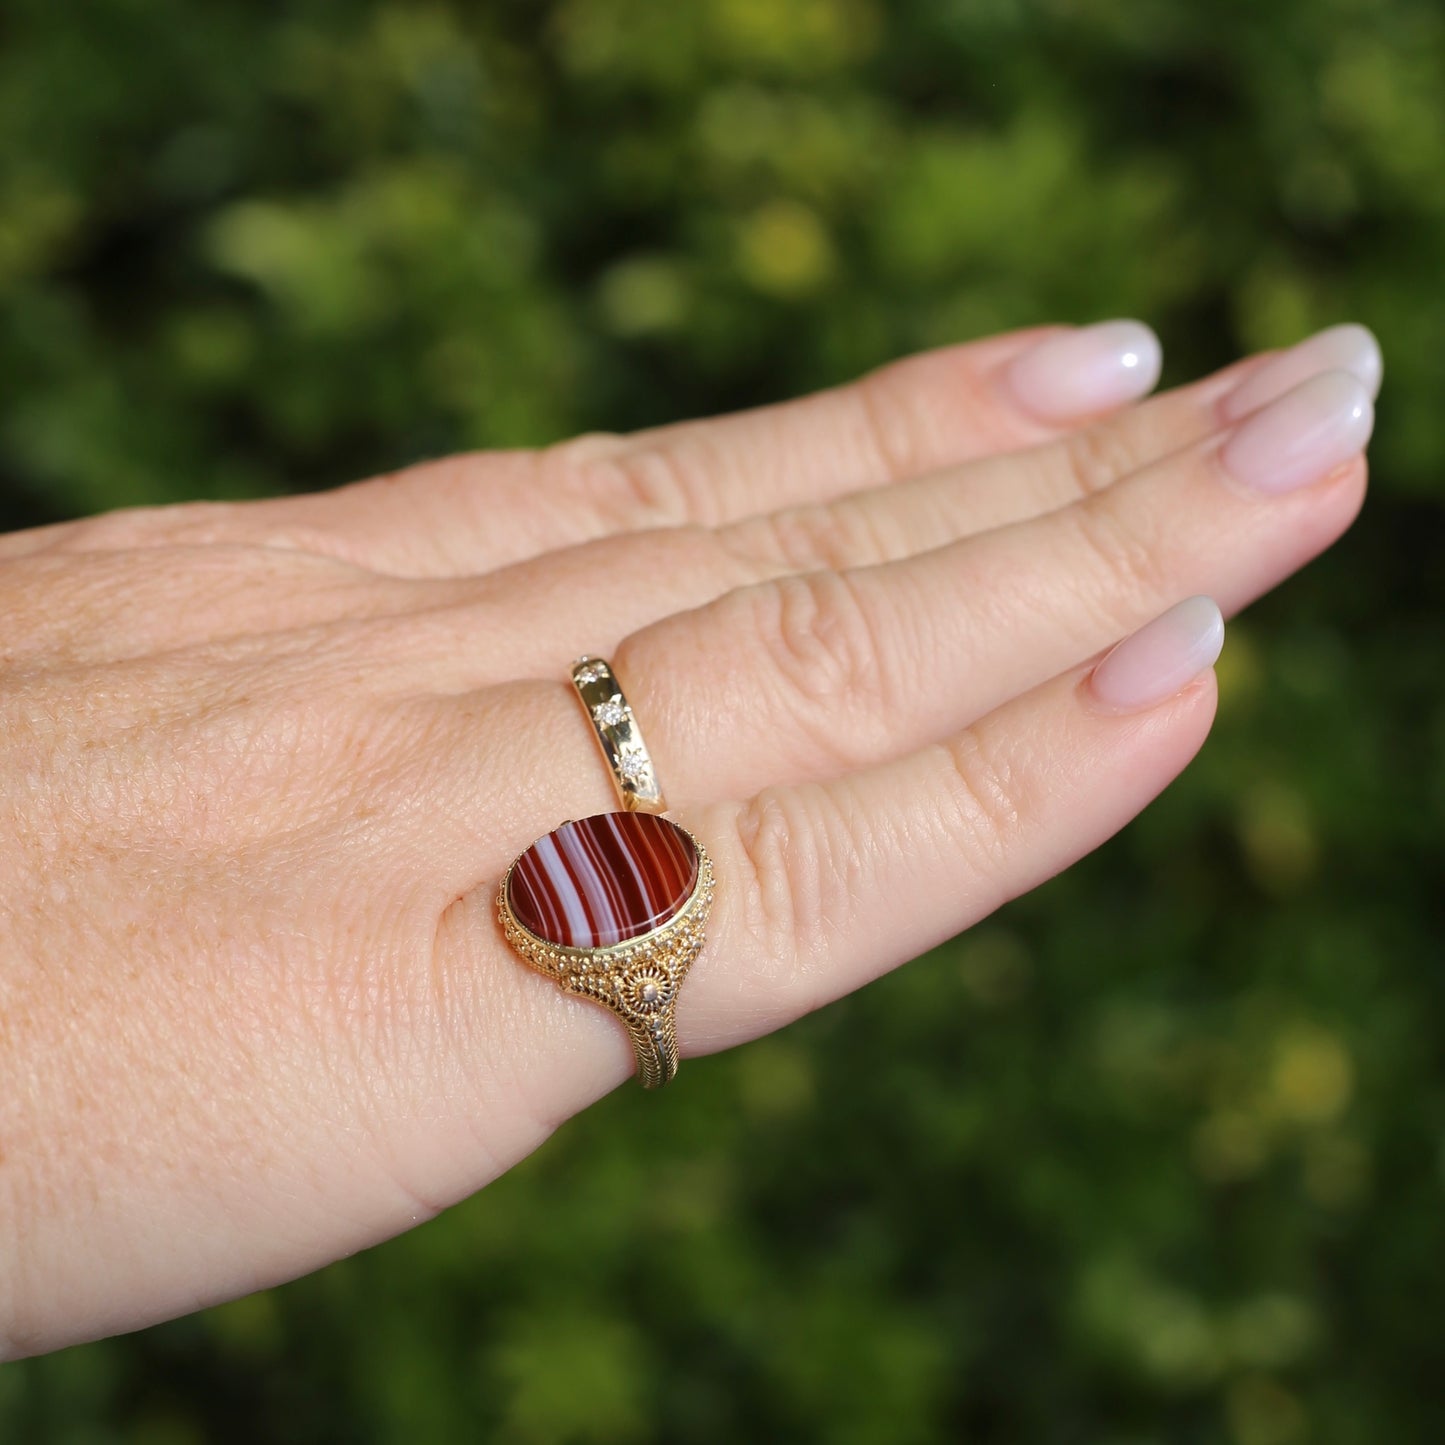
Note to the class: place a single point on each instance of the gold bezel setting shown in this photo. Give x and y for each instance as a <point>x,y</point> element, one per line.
<point>637,979</point>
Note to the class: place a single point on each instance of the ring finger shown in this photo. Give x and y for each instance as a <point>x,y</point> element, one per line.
<point>824,887</point>
<point>813,675</point>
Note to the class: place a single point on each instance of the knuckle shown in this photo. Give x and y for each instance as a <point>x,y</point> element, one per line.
<point>765,846</point>
<point>574,455</point>
<point>1131,563</point>
<point>629,488</point>
<point>817,635</point>
<point>1097,457</point>
<point>832,537</point>
<point>989,797</point>
<point>797,881</point>
<point>890,417</point>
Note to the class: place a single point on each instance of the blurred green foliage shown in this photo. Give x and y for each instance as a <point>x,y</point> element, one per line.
<point>1158,1155</point>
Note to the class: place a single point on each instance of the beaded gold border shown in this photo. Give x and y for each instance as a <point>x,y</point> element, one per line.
<point>637,979</point>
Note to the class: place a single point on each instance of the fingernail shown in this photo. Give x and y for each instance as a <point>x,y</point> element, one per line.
<point>1161,658</point>
<point>1349,347</point>
<point>1076,374</point>
<point>1302,436</point>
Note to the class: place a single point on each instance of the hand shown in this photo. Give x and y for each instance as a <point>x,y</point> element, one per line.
<point>263,766</point>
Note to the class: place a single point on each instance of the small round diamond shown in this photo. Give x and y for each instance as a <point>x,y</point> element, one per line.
<point>591,672</point>
<point>634,768</point>
<point>611,712</point>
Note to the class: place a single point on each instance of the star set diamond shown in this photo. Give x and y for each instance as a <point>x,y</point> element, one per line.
<point>612,712</point>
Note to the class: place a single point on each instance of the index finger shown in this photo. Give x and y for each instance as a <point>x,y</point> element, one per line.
<point>471,514</point>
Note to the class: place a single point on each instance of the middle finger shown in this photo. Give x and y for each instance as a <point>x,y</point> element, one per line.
<point>806,677</point>
<point>589,598</point>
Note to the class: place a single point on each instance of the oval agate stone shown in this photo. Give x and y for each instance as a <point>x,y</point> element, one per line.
<point>603,880</point>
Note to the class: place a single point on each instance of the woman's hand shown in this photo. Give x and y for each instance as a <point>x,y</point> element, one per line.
<point>262,767</point>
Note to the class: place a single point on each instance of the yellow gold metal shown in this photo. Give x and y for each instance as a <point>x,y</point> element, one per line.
<point>618,735</point>
<point>638,979</point>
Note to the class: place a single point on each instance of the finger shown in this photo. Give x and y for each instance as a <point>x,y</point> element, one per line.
<point>995,490</point>
<point>576,603</point>
<point>885,523</point>
<point>923,414</point>
<point>819,890</point>
<point>912,416</point>
<point>835,883</point>
<point>812,675</point>
<point>824,887</point>
<point>472,513</point>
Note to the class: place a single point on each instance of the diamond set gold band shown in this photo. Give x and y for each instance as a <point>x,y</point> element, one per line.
<point>618,735</point>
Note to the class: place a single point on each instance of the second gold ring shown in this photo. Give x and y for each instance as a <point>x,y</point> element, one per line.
<point>619,736</point>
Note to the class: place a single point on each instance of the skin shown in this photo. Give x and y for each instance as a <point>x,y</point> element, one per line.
<point>262,766</point>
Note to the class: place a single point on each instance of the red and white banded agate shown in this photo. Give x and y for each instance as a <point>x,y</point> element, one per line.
<point>603,880</point>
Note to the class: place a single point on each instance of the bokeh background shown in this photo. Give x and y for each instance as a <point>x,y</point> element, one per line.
<point>1156,1155</point>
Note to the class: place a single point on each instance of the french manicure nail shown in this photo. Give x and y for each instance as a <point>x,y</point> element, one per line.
<point>1301,436</point>
<point>1077,374</point>
<point>1161,658</point>
<point>1349,347</point>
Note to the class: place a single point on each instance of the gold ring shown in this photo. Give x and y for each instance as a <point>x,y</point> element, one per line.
<point>618,735</point>
<point>613,908</point>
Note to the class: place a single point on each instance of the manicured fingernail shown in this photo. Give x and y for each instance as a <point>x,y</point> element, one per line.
<point>1161,658</point>
<point>1303,435</point>
<point>1077,374</point>
<point>1341,348</point>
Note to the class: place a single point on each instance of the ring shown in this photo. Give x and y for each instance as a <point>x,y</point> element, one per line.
<point>619,736</point>
<point>613,908</point>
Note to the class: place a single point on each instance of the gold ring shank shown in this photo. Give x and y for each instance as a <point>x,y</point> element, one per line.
<point>618,735</point>
<point>638,979</point>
